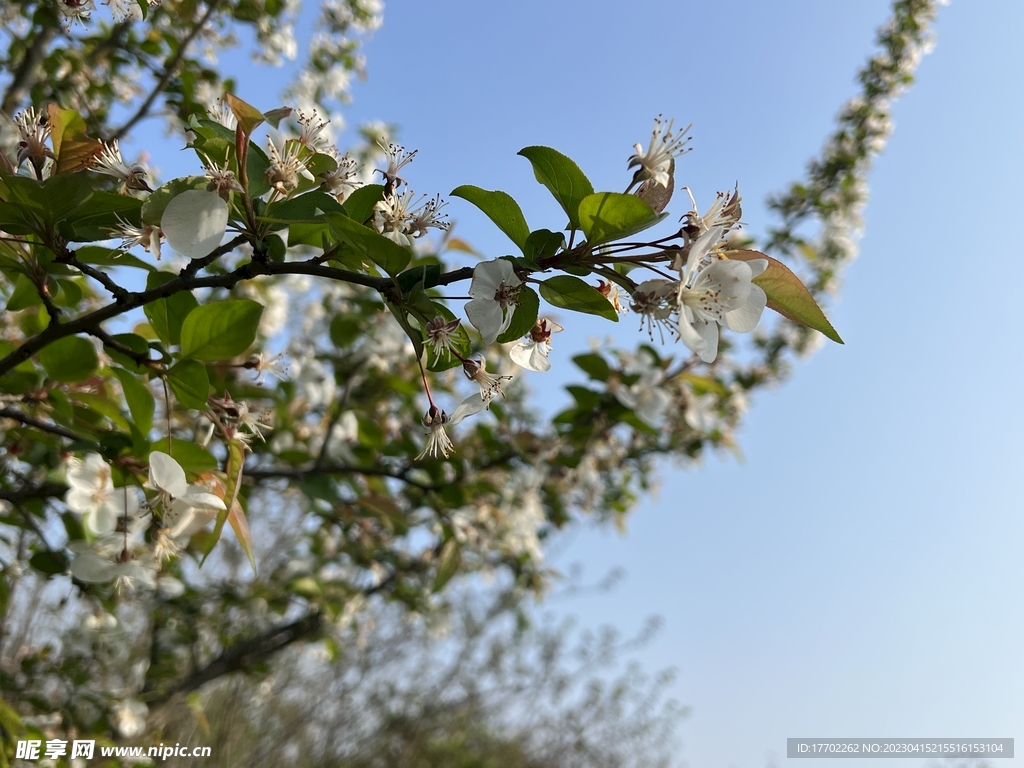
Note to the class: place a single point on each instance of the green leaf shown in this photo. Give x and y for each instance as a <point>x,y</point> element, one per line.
<point>593,365</point>
<point>570,292</point>
<point>190,383</point>
<point>787,295</point>
<point>153,208</point>
<point>136,344</point>
<point>24,295</point>
<point>221,330</point>
<point>562,177</point>
<point>360,204</point>
<point>610,216</point>
<point>101,216</point>
<point>543,244</point>
<point>69,359</point>
<point>50,563</point>
<point>139,398</point>
<point>524,317</point>
<point>308,208</point>
<point>501,209</point>
<point>389,256</point>
<point>167,315</point>
<point>448,563</point>
<point>425,275</point>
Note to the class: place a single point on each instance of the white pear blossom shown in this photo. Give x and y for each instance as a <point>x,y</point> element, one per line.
<point>717,292</point>
<point>490,384</point>
<point>725,212</point>
<point>438,442</point>
<point>130,718</point>
<point>397,157</point>
<point>92,494</point>
<point>33,131</point>
<point>145,235</point>
<point>701,413</point>
<point>183,505</point>
<point>110,163</point>
<point>655,302</point>
<point>646,397</point>
<point>391,217</point>
<point>665,146</point>
<point>220,112</point>
<point>342,180</point>
<point>532,354</point>
<point>121,557</point>
<point>440,335</point>
<point>286,166</point>
<point>494,291</point>
<point>311,129</point>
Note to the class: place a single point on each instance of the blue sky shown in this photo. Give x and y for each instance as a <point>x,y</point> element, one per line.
<point>859,572</point>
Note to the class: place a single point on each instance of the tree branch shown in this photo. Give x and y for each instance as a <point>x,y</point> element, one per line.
<point>243,655</point>
<point>31,421</point>
<point>166,75</point>
<point>44,491</point>
<point>132,301</point>
<point>297,473</point>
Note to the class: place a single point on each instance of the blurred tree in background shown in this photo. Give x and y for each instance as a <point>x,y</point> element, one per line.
<point>273,347</point>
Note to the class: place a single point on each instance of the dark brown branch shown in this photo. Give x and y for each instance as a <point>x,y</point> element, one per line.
<point>31,421</point>
<point>190,269</point>
<point>69,258</point>
<point>297,473</point>
<point>117,346</point>
<point>169,67</point>
<point>132,301</point>
<point>243,656</point>
<point>44,491</point>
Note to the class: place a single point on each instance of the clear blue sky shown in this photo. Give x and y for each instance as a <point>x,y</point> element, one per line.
<point>859,573</point>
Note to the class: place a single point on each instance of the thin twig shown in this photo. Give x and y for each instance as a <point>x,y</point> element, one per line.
<point>168,72</point>
<point>31,421</point>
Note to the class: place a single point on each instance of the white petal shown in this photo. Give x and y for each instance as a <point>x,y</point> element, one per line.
<point>699,250</point>
<point>488,277</point>
<point>652,406</point>
<point>745,317</point>
<point>725,284</point>
<point>169,587</point>
<point>102,519</point>
<point>531,356</point>
<point>194,222</point>
<point>197,496</point>
<point>91,568</point>
<point>166,474</point>
<point>79,499</point>
<point>487,317</point>
<point>757,266</point>
<point>472,404</point>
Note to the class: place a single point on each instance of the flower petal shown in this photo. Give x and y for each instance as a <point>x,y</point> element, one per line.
<point>745,317</point>
<point>91,568</point>
<point>487,317</point>
<point>165,474</point>
<point>472,404</point>
<point>194,222</point>
<point>530,355</point>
